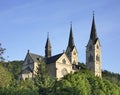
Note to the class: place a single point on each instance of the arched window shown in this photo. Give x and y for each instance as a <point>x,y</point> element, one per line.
<point>64,61</point>
<point>74,53</point>
<point>97,47</point>
<point>64,71</point>
<point>97,58</point>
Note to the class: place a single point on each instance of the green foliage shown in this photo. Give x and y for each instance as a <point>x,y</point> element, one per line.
<point>1,53</point>
<point>82,65</point>
<point>42,79</point>
<point>85,83</point>
<point>14,67</point>
<point>5,77</point>
<point>26,87</point>
<point>73,84</point>
<point>112,77</point>
<point>82,82</point>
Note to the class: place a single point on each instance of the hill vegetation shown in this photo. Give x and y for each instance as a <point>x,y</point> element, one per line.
<point>112,77</point>
<point>82,82</point>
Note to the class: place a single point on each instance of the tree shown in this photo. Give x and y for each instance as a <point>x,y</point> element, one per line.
<point>43,80</point>
<point>85,83</point>
<point>112,77</point>
<point>22,87</point>
<point>5,77</point>
<point>1,53</point>
<point>14,67</point>
<point>73,84</point>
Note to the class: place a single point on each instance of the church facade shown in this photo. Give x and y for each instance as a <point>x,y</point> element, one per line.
<point>63,63</point>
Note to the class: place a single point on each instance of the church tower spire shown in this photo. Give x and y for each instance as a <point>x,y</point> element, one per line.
<point>93,35</point>
<point>71,50</point>
<point>48,47</point>
<point>93,52</point>
<point>71,39</point>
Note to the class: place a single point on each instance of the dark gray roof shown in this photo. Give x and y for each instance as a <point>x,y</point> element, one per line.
<point>48,45</point>
<point>26,70</point>
<point>35,57</point>
<point>49,60</point>
<point>93,35</point>
<point>53,59</point>
<point>71,39</point>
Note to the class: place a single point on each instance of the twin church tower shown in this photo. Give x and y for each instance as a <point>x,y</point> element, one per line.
<point>65,62</point>
<point>93,52</point>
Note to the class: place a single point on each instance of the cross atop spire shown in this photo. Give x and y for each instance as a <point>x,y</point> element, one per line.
<point>71,39</point>
<point>93,35</point>
<point>47,34</point>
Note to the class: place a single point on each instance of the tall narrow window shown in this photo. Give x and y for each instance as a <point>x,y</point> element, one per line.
<point>90,58</point>
<point>97,58</point>
<point>90,47</point>
<point>97,47</point>
<point>28,61</point>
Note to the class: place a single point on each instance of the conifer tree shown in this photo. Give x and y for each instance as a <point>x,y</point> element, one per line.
<point>42,79</point>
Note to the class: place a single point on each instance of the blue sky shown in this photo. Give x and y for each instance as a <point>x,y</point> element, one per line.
<point>24,25</point>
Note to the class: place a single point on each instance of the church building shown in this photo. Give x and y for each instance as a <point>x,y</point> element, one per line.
<point>63,63</point>
<point>57,65</point>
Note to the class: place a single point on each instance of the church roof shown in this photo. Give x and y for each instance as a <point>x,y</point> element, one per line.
<point>26,70</point>
<point>35,57</point>
<point>53,59</point>
<point>93,35</point>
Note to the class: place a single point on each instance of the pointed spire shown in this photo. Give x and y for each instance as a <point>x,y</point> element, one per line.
<point>93,35</point>
<point>71,39</point>
<point>48,45</point>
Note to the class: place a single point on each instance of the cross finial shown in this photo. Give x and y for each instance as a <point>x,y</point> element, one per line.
<point>93,12</point>
<point>47,34</point>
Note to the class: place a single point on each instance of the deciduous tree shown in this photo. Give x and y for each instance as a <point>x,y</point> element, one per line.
<point>1,53</point>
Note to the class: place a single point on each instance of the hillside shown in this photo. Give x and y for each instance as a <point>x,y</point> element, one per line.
<point>14,67</point>
<point>112,77</point>
<point>82,82</point>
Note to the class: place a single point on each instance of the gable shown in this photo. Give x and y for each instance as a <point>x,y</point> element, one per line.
<point>35,57</point>
<point>98,43</point>
<point>31,61</point>
<point>74,51</point>
<point>28,60</point>
<point>31,58</point>
<point>63,59</point>
<point>27,70</point>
